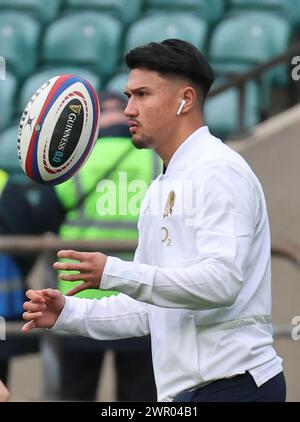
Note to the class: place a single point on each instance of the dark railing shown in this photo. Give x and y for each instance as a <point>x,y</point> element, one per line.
<point>239,81</point>
<point>52,243</point>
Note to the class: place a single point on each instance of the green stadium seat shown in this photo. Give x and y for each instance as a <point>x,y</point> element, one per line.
<point>36,80</point>
<point>211,11</point>
<point>257,4</point>
<point>159,27</point>
<point>9,160</point>
<point>117,83</point>
<point>83,39</point>
<point>125,11</point>
<point>19,37</point>
<point>244,41</point>
<point>290,9</point>
<point>221,111</point>
<point>43,11</point>
<point>8,88</point>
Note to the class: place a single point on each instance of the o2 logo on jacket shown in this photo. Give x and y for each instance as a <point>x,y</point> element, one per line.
<point>296,70</point>
<point>296,329</point>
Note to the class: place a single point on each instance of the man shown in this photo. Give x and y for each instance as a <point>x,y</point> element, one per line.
<point>200,280</point>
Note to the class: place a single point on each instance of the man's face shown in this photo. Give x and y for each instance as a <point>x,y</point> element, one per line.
<point>151,109</point>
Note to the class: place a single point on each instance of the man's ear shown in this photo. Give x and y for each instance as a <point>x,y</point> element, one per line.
<point>189,97</point>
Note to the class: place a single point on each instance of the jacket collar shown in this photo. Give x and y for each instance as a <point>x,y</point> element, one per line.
<point>197,141</point>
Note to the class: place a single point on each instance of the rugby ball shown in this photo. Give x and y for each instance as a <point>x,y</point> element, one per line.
<point>58,129</point>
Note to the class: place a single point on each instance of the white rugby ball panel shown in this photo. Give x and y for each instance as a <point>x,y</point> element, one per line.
<point>28,119</point>
<point>58,129</point>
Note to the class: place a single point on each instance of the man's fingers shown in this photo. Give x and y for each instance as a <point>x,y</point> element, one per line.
<point>28,316</point>
<point>68,266</point>
<point>51,293</point>
<point>72,277</point>
<point>34,307</point>
<point>28,326</point>
<point>79,288</point>
<point>35,295</point>
<point>78,256</point>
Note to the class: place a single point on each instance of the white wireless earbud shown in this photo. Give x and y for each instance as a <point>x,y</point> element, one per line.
<point>182,104</point>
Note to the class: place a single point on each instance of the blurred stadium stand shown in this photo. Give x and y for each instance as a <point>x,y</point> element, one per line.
<point>9,162</point>
<point>83,38</point>
<point>125,11</point>
<point>19,38</point>
<point>7,99</point>
<point>288,9</point>
<point>38,9</point>
<point>167,25</point>
<point>210,11</point>
<point>90,37</point>
<point>249,43</point>
<point>229,100</point>
<point>241,42</point>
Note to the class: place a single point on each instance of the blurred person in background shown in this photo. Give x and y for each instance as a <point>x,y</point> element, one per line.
<point>3,178</point>
<point>15,212</point>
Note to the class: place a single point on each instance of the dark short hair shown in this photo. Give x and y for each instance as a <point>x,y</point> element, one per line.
<point>173,57</point>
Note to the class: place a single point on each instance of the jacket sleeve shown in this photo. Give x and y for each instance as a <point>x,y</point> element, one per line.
<point>110,318</point>
<point>223,229</point>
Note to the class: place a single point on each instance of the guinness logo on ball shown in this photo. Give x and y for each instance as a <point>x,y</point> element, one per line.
<point>66,134</point>
<point>76,108</point>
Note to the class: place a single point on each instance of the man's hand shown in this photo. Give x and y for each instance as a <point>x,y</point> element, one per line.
<point>42,309</point>
<point>4,393</point>
<point>90,268</point>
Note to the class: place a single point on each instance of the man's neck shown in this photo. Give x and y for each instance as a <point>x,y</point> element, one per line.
<point>168,149</point>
